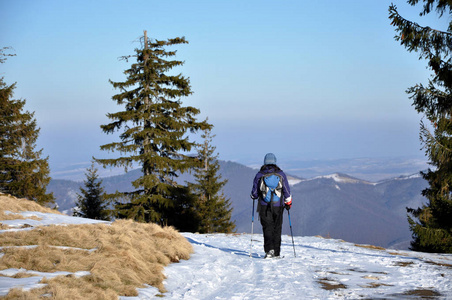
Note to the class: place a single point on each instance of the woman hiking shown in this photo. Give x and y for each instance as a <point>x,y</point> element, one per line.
<point>271,188</point>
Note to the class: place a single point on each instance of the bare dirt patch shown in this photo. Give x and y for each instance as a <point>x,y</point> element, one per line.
<point>423,293</point>
<point>439,264</point>
<point>330,284</point>
<point>403,263</point>
<point>419,294</point>
<point>365,271</point>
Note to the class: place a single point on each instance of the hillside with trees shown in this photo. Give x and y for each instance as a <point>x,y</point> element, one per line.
<point>24,173</point>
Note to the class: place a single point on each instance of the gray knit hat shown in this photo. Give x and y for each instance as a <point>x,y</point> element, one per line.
<point>270,159</point>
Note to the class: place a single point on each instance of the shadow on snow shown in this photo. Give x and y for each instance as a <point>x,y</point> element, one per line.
<point>228,250</point>
<point>299,250</point>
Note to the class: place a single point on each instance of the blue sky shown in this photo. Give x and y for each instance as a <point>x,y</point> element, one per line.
<point>303,79</point>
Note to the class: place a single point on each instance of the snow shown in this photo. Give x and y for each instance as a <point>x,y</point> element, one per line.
<point>294,181</point>
<point>46,219</point>
<point>340,179</point>
<point>7,283</point>
<point>26,284</point>
<point>412,176</point>
<point>13,272</point>
<point>221,268</point>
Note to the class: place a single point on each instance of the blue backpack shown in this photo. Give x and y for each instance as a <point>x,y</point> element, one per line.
<point>271,187</point>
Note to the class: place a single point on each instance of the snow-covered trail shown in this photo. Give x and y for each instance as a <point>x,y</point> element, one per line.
<point>221,268</point>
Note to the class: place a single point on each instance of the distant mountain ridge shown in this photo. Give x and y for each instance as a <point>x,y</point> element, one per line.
<point>358,211</point>
<point>336,205</point>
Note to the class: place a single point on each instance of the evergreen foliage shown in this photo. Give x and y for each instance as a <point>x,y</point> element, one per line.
<point>431,225</point>
<point>154,126</point>
<point>213,207</point>
<point>3,55</point>
<point>23,173</point>
<point>90,203</point>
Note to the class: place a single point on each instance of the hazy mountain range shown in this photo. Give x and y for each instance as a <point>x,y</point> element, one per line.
<point>366,168</point>
<point>337,205</point>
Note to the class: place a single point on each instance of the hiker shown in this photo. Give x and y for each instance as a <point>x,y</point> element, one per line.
<point>273,193</point>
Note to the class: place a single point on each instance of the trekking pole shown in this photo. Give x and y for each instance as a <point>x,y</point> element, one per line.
<point>252,227</point>
<point>291,233</point>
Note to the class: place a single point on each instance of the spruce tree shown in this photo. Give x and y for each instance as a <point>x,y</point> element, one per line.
<point>23,173</point>
<point>431,224</point>
<point>213,207</point>
<point>155,127</point>
<point>91,203</point>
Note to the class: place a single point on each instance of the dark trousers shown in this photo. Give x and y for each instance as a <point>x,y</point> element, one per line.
<point>271,220</point>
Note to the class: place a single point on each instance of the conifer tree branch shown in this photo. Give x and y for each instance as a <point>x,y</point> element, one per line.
<point>431,224</point>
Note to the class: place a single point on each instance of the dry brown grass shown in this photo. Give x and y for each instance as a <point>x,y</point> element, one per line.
<point>15,205</point>
<point>372,247</point>
<point>15,216</point>
<point>63,287</point>
<point>374,285</point>
<point>124,255</point>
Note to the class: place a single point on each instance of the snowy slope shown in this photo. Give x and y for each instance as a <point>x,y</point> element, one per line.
<point>221,268</point>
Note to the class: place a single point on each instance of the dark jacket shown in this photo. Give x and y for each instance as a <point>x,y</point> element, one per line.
<point>255,193</point>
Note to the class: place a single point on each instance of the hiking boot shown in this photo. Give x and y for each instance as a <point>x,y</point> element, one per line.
<point>270,254</point>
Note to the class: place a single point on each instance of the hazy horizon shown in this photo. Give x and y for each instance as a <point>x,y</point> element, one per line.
<point>370,169</point>
<point>305,80</point>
